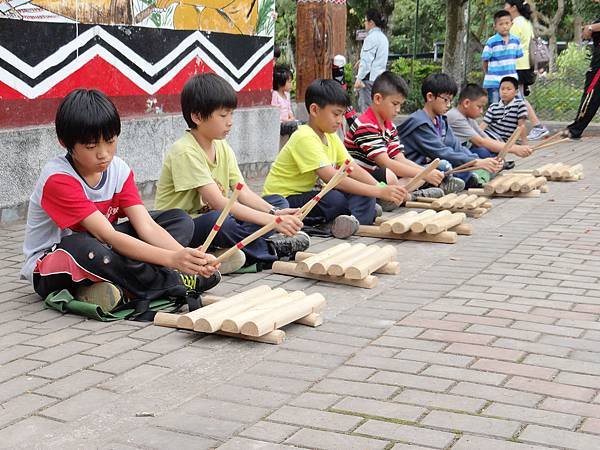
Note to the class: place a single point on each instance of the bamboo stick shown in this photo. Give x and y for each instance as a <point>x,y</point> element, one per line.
<point>361,269</point>
<point>466,167</point>
<point>415,182</point>
<point>420,205</point>
<point>437,203</point>
<point>234,323</point>
<point>289,268</point>
<point>447,237</point>
<point>211,321</point>
<point>249,239</point>
<point>419,226</point>
<point>282,316</point>
<point>305,266</point>
<point>322,266</point>
<point>511,141</point>
<point>549,144</point>
<point>217,226</point>
<point>445,223</point>
<point>186,321</point>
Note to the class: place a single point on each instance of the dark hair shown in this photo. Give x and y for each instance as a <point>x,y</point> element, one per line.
<point>472,91</point>
<point>437,84</point>
<point>326,92</point>
<point>375,16</point>
<point>523,8</point>
<point>512,80</point>
<point>205,93</point>
<point>276,51</point>
<point>389,83</point>
<point>281,74</point>
<point>85,116</point>
<point>500,14</point>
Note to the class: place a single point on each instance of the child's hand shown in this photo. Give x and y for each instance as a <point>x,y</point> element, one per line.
<point>289,225</point>
<point>435,177</point>
<point>492,165</point>
<point>358,84</point>
<point>193,261</point>
<point>522,151</point>
<point>393,193</point>
<point>287,211</point>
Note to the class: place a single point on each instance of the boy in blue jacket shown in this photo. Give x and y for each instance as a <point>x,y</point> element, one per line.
<point>426,134</point>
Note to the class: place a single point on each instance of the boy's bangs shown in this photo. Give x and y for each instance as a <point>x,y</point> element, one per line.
<point>100,123</point>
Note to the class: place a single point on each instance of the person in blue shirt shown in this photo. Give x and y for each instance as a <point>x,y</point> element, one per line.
<point>373,58</point>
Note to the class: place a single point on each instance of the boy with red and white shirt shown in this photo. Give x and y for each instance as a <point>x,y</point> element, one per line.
<point>72,238</point>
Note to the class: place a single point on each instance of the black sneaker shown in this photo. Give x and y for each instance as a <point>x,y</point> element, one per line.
<point>287,246</point>
<point>508,165</point>
<point>197,284</point>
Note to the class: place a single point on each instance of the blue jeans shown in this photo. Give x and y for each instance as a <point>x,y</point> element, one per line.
<point>483,152</point>
<point>336,203</point>
<point>493,95</point>
<point>233,231</point>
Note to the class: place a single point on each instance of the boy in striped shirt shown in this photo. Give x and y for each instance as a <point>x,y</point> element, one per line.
<point>500,55</point>
<point>503,117</point>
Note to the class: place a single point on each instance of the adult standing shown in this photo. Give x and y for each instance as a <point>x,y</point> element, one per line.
<point>590,100</point>
<point>373,57</point>
<point>522,27</point>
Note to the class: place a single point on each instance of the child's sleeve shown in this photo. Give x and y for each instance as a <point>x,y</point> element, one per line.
<point>486,55</point>
<point>129,195</point>
<point>487,118</point>
<point>65,202</point>
<point>370,141</point>
<point>522,111</point>
<point>431,146</point>
<point>308,154</point>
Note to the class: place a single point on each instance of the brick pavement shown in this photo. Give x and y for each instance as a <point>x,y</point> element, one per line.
<point>490,343</point>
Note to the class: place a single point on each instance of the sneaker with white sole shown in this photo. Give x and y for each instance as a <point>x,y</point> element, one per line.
<point>344,226</point>
<point>287,246</point>
<point>433,192</point>
<point>232,264</point>
<point>452,185</point>
<point>378,210</point>
<point>104,294</point>
<point>384,205</point>
<point>538,132</point>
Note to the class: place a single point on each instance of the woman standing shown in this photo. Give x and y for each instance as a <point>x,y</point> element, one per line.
<point>373,58</point>
<point>590,101</point>
<point>522,28</point>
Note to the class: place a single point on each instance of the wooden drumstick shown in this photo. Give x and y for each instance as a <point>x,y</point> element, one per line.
<point>416,180</point>
<point>511,141</point>
<point>248,240</point>
<point>217,226</point>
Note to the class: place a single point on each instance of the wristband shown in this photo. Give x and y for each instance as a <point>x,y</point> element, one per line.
<point>382,184</point>
<point>273,210</point>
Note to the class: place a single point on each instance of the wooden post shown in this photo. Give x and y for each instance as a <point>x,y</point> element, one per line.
<point>320,35</point>
<point>557,170</point>
<point>462,200</point>
<point>419,226</point>
<point>533,184</point>
<point>402,225</point>
<point>305,266</point>
<point>289,268</point>
<point>337,266</point>
<point>490,187</point>
<point>322,267</point>
<point>369,263</point>
<point>540,170</point>
<point>504,185</point>
<point>571,171</point>
<point>445,223</point>
<point>521,181</point>
<point>447,237</point>
<point>386,225</point>
<point>438,202</point>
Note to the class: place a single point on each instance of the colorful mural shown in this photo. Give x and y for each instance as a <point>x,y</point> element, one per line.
<point>139,52</point>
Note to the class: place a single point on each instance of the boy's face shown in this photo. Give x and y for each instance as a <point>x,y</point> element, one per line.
<point>94,157</point>
<point>502,25</point>
<point>440,104</point>
<point>217,126</point>
<point>327,119</point>
<point>507,91</point>
<point>388,106</point>
<point>474,108</point>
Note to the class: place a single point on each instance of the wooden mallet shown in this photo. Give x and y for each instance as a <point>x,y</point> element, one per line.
<point>415,182</point>
<point>248,240</point>
<point>511,141</point>
<point>217,226</point>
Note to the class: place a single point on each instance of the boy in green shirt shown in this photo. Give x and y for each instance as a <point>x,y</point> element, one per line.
<point>200,169</point>
<point>312,154</point>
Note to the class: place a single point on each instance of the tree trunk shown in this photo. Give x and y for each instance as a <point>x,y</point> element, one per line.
<point>456,32</point>
<point>577,25</point>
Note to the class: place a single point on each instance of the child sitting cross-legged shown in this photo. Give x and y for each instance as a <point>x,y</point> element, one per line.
<point>463,121</point>
<point>72,239</point>
<point>502,118</point>
<point>372,140</point>
<point>312,155</point>
<point>426,134</point>
<point>200,169</point>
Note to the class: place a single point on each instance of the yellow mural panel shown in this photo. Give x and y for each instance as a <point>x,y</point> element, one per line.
<point>91,11</point>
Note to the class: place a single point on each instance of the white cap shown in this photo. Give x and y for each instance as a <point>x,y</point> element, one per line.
<point>339,60</point>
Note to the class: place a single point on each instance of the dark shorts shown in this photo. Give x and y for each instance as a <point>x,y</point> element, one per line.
<point>379,174</point>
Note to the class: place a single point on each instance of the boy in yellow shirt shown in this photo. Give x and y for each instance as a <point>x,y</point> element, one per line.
<point>312,154</point>
<point>200,169</point>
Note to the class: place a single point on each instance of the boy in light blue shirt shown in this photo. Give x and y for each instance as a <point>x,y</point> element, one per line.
<point>500,56</point>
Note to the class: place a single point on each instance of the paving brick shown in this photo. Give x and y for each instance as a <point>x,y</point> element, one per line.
<point>559,314</point>
<point>203,426</point>
<point>22,406</point>
<point>250,444</point>
<point>306,345</point>
<point>559,438</point>
<point>221,409</point>
<point>405,433</point>
<point>352,373</point>
<point>403,331</point>
<point>313,418</point>
<point>19,385</point>
<point>435,358</point>
<point>351,320</point>
<point>591,426</point>
<point>331,338</point>
<point>478,442</point>
<point>563,364</point>
<point>33,430</point>
<point>135,379</point>
<point>358,331</point>
<point>515,315</point>
<point>442,401</point>
<point>502,332</point>
<point>61,351</point>
<point>515,368</point>
<point>169,343</point>
<point>80,405</point>
<point>496,394</point>
<point>113,348</point>
<point>279,369</point>
<point>582,344</point>
<point>342,387</point>
<point>269,431</point>
<point>485,351</point>
<point>548,329</point>
<point>506,305</point>
<point>126,361</point>
<point>272,384</point>
<point>15,352</point>
<point>315,400</point>
<point>456,373</point>
<point>579,379</point>
<point>416,344</point>
<point>387,363</point>
<point>66,366</point>
<point>72,384</point>
<point>307,359</point>
<point>532,415</point>
<point>470,423</point>
<point>334,441</point>
<point>584,308</point>
<point>551,388</point>
<point>17,367</point>
<point>156,438</point>
<point>414,381</point>
<point>451,336</point>
<point>571,407</point>
<point>248,396</point>
<point>478,319</point>
<point>433,323</point>
<point>388,410</point>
